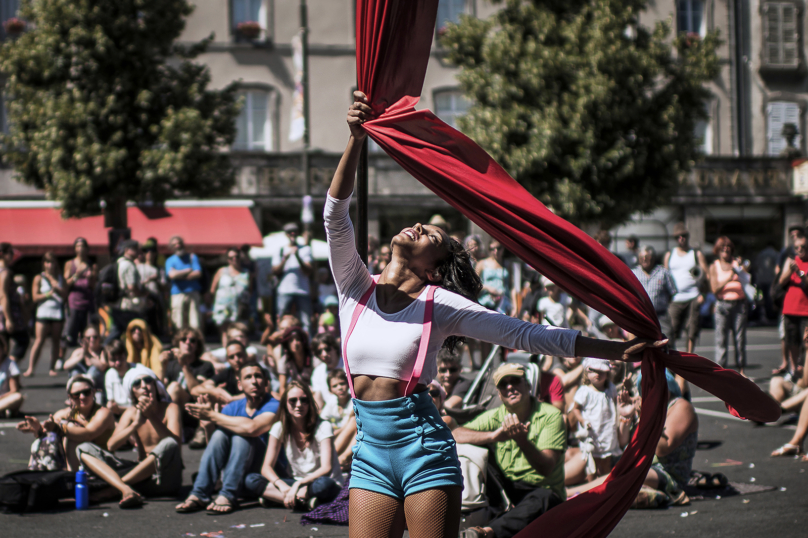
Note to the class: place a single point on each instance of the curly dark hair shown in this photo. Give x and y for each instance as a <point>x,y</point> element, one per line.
<point>458,275</point>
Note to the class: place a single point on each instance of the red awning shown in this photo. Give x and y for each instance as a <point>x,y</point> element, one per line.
<point>208,229</point>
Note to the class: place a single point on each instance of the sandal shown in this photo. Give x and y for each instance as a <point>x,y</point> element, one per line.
<point>787,450</point>
<point>189,506</point>
<point>712,481</point>
<point>132,501</point>
<point>228,509</point>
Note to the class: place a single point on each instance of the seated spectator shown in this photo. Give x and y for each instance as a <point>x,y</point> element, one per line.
<point>552,391</point>
<point>143,347</point>
<point>184,371</point>
<point>339,409</point>
<point>236,447</point>
<point>235,331</point>
<point>329,318</point>
<point>117,396</point>
<point>529,439</point>
<point>788,392</point>
<point>326,349</point>
<point>84,422</point>
<point>294,363</point>
<point>308,445</point>
<point>673,460</point>
<point>438,396</point>
<point>156,427</point>
<point>569,371</point>
<point>455,384</point>
<point>794,447</point>
<point>10,396</point>
<point>89,359</point>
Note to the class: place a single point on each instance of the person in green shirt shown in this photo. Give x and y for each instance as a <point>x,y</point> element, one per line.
<point>529,443</point>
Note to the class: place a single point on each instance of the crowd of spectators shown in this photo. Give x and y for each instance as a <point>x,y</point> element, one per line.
<point>273,413</point>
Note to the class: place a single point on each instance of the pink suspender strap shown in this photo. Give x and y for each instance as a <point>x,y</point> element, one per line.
<point>356,313</point>
<point>422,347</point>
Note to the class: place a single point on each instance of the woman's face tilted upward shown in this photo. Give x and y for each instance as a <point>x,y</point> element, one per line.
<point>421,248</point>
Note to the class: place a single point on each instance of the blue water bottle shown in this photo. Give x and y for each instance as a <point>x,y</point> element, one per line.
<point>82,493</point>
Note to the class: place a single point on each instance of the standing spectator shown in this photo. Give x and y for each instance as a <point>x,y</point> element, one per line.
<point>787,362</point>
<point>473,245</point>
<point>48,292</point>
<point>293,266</point>
<point>153,280</point>
<point>658,284</point>
<point>632,255</point>
<point>496,278</point>
<point>795,304</point>
<point>80,277</point>
<point>764,271</point>
<point>185,273</point>
<point>10,396</point>
<point>12,318</point>
<point>385,255</point>
<point>325,286</point>
<point>731,307</point>
<point>236,447</point>
<point>231,288</point>
<point>89,359</point>
<point>142,347</point>
<point>555,308</point>
<point>687,267</point>
<point>132,300</point>
<point>604,238</point>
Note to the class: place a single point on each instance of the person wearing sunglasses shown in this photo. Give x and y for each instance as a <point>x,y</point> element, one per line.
<point>89,359</point>
<point>83,422</point>
<point>143,347</point>
<point>237,446</point>
<point>156,427</point>
<point>307,442</point>
<point>454,384</point>
<point>529,439</point>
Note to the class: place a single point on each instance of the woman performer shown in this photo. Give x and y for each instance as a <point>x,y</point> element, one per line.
<point>405,466</point>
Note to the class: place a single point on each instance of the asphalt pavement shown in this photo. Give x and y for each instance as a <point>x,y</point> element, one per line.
<point>734,447</point>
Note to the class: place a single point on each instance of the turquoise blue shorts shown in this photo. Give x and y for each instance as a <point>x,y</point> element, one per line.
<point>403,447</point>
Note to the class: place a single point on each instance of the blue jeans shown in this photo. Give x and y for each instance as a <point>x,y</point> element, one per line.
<point>304,307</point>
<point>324,489</point>
<point>231,455</point>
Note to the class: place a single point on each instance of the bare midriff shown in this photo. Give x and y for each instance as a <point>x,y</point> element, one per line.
<point>377,388</point>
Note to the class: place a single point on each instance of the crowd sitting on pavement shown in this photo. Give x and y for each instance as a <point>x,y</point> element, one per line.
<point>273,412</point>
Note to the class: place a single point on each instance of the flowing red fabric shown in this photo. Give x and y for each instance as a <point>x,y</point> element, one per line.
<point>394,38</point>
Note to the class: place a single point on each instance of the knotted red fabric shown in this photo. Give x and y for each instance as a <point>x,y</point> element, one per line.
<point>394,38</point>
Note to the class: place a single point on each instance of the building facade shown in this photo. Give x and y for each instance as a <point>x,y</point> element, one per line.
<point>742,188</point>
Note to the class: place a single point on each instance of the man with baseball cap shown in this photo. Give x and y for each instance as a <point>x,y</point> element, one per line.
<point>529,440</point>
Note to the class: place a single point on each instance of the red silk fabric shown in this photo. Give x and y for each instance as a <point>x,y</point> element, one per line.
<point>394,38</point>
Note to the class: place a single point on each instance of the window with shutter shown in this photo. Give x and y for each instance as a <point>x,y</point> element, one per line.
<point>253,128</point>
<point>781,35</point>
<point>703,133</point>
<point>690,17</point>
<point>779,113</point>
<point>449,11</point>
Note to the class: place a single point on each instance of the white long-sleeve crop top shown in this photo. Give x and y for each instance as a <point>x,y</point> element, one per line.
<point>386,345</point>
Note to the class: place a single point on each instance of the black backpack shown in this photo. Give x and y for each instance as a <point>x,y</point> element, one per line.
<point>107,289</point>
<point>32,491</point>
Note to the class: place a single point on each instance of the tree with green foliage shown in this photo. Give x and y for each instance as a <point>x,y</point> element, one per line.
<point>104,106</point>
<point>591,112</point>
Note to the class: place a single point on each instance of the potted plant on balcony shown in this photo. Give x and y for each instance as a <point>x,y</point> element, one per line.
<point>248,29</point>
<point>14,26</point>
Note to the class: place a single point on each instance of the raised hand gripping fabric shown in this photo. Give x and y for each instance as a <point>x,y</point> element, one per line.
<point>394,38</point>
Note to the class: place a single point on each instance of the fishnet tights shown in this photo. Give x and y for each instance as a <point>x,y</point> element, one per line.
<point>434,513</point>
